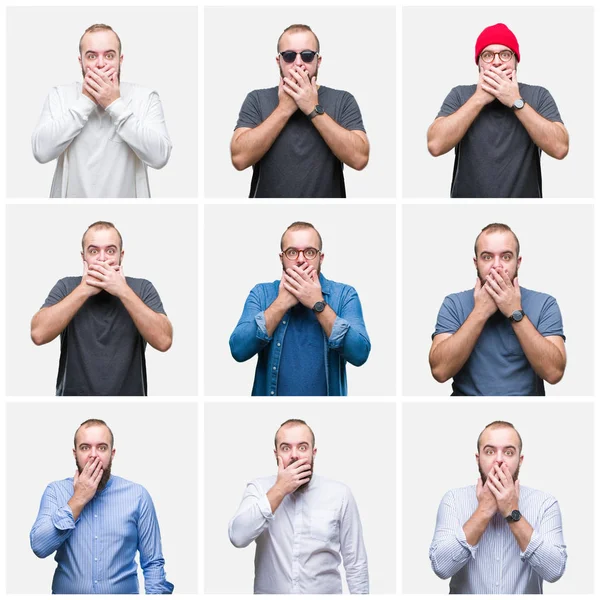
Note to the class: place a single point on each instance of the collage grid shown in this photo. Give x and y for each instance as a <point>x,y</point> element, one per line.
<point>206,438</point>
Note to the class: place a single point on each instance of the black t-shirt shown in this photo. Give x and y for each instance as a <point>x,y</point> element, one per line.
<point>496,158</point>
<point>101,350</point>
<point>299,164</point>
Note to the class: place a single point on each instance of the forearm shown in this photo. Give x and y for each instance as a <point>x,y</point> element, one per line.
<point>251,519</point>
<point>348,146</point>
<point>250,146</point>
<point>52,136</point>
<point>154,327</point>
<point>475,527</point>
<point>522,531</point>
<point>273,315</point>
<point>448,357</point>
<point>51,321</point>
<point>550,136</point>
<point>446,132</point>
<point>148,137</point>
<point>326,319</point>
<point>543,356</point>
<point>275,497</point>
<point>50,531</point>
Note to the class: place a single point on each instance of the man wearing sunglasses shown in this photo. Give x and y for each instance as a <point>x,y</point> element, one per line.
<point>498,127</point>
<point>303,326</point>
<point>298,136</point>
<point>104,133</point>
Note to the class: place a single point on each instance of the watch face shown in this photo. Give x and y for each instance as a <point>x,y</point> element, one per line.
<point>519,103</point>
<point>319,307</point>
<point>319,109</point>
<point>515,515</point>
<point>517,316</point>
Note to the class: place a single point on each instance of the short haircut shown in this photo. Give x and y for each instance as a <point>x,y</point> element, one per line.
<point>299,27</point>
<point>500,425</point>
<point>94,423</point>
<point>101,225</point>
<point>99,27</point>
<point>295,422</point>
<point>296,226</point>
<point>493,228</point>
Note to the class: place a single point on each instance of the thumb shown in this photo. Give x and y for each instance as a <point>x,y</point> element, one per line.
<point>313,81</point>
<point>514,75</point>
<point>76,477</point>
<point>477,284</point>
<point>516,283</point>
<point>517,487</point>
<point>279,464</point>
<point>479,485</point>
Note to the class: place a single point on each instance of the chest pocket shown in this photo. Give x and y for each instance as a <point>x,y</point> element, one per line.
<point>324,525</point>
<point>513,347</point>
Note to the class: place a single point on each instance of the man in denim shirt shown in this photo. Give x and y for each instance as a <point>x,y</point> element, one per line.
<point>303,327</point>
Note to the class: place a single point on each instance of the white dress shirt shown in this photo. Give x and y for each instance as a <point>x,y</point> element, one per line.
<point>300,546</point>
<point>496,565</point>
<point>102,153</point>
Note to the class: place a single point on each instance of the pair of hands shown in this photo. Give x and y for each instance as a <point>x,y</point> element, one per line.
<point>103,276</point>
<point>298,91</point>
<point>498,83</point>
<point>292,477</point>
<point>498,293</point>
<point>101,85</point>
<point>499,493</point>
<point>300,284</point>
<point>86,483</point>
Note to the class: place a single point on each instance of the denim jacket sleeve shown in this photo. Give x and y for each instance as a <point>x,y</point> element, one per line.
<point>250,334</point>
<point>349,335</point>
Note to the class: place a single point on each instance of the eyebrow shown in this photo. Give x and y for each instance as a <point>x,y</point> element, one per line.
<point>298,444</point>
<point>490,252</point>
<point>99,51</point>
<point>105,247</point>
<point>494,447</point>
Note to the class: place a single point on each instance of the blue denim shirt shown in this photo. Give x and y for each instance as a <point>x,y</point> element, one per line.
<point>348,341</point>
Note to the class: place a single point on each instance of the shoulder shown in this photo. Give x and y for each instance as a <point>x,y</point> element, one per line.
<point>535,497</point>
<point>463,91</point>
<point>264,93</point>
<point>263,484</point>
<point>135,489</point>
<point>531,296</point>
<point>133,90</point>
<point>267,287</point>
<point>67,90</point>
<point>333,485</point>
<point>331,286</point>
<point>138,284</point>
<point>461,298</point>
<point>68,283</point>
<point>461,494</point>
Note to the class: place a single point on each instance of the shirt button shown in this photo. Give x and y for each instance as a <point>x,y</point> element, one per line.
<point>95,559</point>
<point>95,537</point>
<point>283,322</point>
<point>278,344</point>
<point>95,581</point>
<point>497,583</point>
<point>272,393</point>
<point>274,368</point>
<point>95,516</point>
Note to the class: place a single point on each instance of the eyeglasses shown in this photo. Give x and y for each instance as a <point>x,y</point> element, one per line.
<point>487,56</point>
<point>294,253</point>
<point>307,56</point>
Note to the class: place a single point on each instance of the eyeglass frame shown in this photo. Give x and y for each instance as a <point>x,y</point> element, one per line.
<point>306,61</point>
<point>512,53</point>
<point>284,252</point>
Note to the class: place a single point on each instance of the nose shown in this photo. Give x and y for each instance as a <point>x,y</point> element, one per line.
<point>497,62</point>
<point>299,62</point>
<point>100,62</point>
<point>497,262</point>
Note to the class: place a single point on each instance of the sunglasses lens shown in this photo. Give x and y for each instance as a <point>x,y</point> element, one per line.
<point>288,56</point>
<point>307,56</point>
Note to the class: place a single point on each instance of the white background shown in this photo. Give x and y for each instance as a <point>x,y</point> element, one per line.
<point>358,48</point>
<point>156,446</point>
<point>439,442</point>
<point>242,246</point>
<point>44,245</point>
<point>239,448</point>
<point>557,250</point>
<point>43,47</point>
<point>556,50</point>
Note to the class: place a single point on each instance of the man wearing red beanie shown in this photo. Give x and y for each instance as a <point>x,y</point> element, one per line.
<point>498,127</point>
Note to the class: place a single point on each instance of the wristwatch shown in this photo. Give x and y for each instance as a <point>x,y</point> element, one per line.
<point>318,110</point>
<point>319,307</point>
<point>517,316</point>
<point>514,516</point>
<point>518,103</point>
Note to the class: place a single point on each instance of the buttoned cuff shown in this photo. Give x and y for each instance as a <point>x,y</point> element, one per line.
<point>116,109</point>
<point>338,332</point>
<point>62,519</point>
<point>465,549</point>
<point>84,106</point>
<point>261,324</point>
<point>529,553</point>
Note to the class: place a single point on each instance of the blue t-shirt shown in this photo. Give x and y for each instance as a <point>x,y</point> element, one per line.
<point>302,367</point>
<point>498,366</point>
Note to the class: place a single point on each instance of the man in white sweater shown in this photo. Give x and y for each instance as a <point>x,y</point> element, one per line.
<point>104,133</point>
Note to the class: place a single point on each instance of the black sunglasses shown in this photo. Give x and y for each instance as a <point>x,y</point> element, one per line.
<point>307,56</point>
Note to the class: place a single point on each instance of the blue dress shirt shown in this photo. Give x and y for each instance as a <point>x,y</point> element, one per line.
<point>348,342</point>
<point>96,553</point>
<point>496,564</point>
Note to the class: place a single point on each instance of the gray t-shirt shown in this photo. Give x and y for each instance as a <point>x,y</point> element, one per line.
<point>498,366</point>
<point>101,350</point>
<point>496,158</point>
<point>299,164</point>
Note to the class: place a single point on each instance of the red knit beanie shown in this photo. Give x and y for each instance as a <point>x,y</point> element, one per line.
<point>497,34</point>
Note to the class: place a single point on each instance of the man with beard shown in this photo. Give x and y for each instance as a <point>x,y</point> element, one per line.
<point>498,127</point>
<point>299,135</point>
<point>498,537</point>
<point>303,524</point>
<point>498,339</point>
<point>97,522</point>
<point>104,320</point>
<point>303,326</point>
<point>104,133</point>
